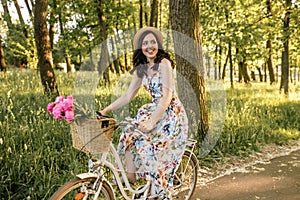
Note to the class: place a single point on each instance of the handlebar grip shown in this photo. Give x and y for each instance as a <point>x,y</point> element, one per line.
<point>99,115</point>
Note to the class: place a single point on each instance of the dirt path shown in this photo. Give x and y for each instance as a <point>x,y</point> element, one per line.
<point>277,178</point>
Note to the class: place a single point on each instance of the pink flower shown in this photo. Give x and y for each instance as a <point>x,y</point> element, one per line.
<point>59,99</point>
<point>70,98</point>
<point>62,108</point>
<point>69,115</point>
<point>50,107</point>
<point>58,111</point>
<point>68,103</point>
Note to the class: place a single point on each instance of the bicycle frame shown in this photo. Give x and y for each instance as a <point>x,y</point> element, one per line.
<point>108,167</point>
<point>96,170</point>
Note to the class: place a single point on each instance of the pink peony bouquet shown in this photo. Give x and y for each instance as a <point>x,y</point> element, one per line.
<point>62,108</point>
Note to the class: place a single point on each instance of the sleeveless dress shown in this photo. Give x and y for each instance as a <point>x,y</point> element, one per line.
<point>156,154</point>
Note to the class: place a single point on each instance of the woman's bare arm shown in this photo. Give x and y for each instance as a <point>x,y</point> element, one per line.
<point>125,98</point>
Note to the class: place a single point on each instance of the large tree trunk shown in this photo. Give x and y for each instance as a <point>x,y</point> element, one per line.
<point>45,62</point>
<point>185,19</point>
<point>285,54</point>
<point>2,59</point>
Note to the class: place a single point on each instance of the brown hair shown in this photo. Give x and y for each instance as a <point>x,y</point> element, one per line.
<point>140,60</point>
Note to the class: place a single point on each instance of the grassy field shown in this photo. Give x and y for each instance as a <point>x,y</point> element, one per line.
<point>36,153</point>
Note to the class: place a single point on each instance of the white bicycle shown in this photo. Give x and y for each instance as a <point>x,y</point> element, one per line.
<point>106,174</point>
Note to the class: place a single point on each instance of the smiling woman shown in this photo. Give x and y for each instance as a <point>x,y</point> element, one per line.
<point>155,151</point>
<point>149,46</point>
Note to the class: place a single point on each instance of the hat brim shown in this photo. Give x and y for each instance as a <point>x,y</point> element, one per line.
<point>140,32</point>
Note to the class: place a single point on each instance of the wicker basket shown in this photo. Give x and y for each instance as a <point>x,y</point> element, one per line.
<point>93,136</point>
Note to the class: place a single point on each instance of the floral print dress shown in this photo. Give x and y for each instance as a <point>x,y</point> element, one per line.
<point>156,154</point>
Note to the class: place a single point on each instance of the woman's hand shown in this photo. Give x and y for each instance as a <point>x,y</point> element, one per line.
<point>146,126</point>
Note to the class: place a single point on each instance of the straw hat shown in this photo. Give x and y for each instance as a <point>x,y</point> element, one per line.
<point>140,32</point>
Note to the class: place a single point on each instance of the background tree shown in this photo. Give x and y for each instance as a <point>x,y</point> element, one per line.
<point>21,19</point>
<point>154,13</point>
<point>253,27</point>
<point>104,57</point>
<point>284,83</point>
<point>269,47</point>
<point>44,51</point>
<point>7,16</point>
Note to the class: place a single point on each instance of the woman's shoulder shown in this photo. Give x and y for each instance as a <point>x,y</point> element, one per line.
<point>165,66</point>
<point>165,63</point>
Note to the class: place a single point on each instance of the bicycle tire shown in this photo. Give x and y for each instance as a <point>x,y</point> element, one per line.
<point>72,190</point>
<point>185,182</point>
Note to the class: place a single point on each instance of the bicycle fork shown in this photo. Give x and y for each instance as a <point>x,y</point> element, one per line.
<point>95,171</point>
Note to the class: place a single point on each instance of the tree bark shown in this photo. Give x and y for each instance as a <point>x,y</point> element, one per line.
<point>65,48</point>
<point>230,64</point>
<point>224,67</point>
<point>141,13</point>
<point>7,16</point>
<point>269,47</point>
<point>104,57</point>
<point>51,24</point>
<point>260,74</point>
<point>146,10</point>
<point>45,61</point>
<point>19,12</point>
<point>21,18</point>
<point>154,13</point>
<point>229,51</point>
<point>28,8</point>
<point>2,59</point>
<point>185,19</point>
<point>220,61</point>
<point>243,72</point>
<point>115,59</point>
<point>285,54</point>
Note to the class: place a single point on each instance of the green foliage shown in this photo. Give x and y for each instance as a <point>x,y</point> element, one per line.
<point>247,25</point>
<point>19,48</point>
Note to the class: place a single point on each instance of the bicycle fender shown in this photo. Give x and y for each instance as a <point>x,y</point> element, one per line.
<point>86,175</point>
<point>112,189</point>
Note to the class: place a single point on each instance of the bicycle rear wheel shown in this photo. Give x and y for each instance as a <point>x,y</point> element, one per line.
<point>82,189</point>
<point>185,179</point>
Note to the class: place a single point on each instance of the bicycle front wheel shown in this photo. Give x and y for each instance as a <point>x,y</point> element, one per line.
<point>82,189</point>
<point>185,178</point>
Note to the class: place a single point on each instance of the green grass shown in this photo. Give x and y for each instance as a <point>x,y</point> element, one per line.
<point>36,153</point>
<point>257,116</point>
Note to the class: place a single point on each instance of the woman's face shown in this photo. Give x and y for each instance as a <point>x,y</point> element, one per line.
<point>150,46</point>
